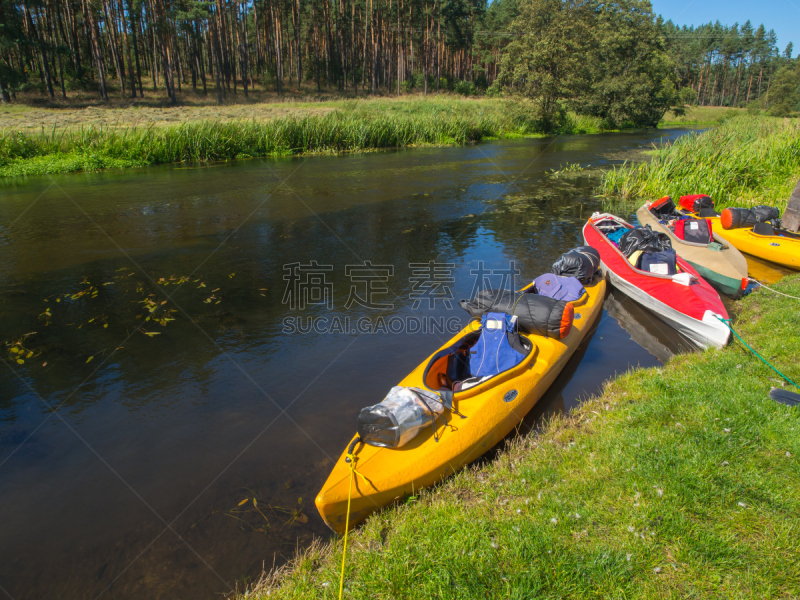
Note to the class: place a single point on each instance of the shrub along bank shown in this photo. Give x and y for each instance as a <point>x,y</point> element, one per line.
<point>353,126</point>
<point>746,161</point>
<point>679,481</point>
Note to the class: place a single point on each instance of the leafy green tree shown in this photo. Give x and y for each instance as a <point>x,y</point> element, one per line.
<point>627,77</point>
<point>603,59</point>
<point>784,94</point>
<point>546,57</point>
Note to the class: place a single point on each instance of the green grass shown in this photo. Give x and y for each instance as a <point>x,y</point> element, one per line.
<point>744,162</point>
<point>677,482</point>
<point>700,115</point>
<point>354,125</point>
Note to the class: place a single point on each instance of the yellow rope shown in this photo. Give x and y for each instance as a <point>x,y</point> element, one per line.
<point>353,472</point>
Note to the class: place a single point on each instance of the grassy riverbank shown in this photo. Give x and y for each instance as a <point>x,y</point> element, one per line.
<point>680,481</point>
<point>745,161</point>
<point>353,125</point>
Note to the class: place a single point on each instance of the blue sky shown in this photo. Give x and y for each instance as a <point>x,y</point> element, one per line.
<point>781,15</point>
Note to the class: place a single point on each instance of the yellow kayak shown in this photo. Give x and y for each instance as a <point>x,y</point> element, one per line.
<point>782,248</point>
<point>492,410</point>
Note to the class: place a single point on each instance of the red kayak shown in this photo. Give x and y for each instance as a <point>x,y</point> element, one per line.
<point>686,301</point>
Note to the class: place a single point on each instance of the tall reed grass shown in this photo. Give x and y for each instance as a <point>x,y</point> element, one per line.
<point>94,148</point>
<point>743,162</point>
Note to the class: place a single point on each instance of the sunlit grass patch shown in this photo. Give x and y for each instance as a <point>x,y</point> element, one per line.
<point>743,162</point>
<point>353,126</point>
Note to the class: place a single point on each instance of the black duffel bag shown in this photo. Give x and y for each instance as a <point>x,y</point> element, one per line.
<point>766,214</point>
<point>581,263</point>
<point>644,239</point>
<point>538,315</point>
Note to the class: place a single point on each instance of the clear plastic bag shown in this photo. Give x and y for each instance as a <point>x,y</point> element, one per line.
<point>399,417</point>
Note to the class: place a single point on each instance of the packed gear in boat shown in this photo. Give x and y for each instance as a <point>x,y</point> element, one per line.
<point>686,228</point>
<point>763,219</point>
<point>698,241</point>
<point>683,299</point>
<point>702,204</point>
<point>696,231</point>
<point>558,287</point>
<point>582,263</point>
<point>648,250</point>
<point>643,239</point>
<point>538,314</point>
<point>663,262</point>
<point>758,231</point>
<point>399,417</point>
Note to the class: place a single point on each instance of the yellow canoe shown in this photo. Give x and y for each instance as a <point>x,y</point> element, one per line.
<point>781,249</point>
<point>492,410</point>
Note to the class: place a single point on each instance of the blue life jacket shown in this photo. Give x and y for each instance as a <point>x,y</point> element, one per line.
<point>492,353</point>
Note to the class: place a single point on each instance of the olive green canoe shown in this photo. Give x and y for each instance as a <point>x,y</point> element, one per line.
<point>719,263</point>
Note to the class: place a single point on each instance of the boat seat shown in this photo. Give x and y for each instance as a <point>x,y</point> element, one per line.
<point>450,366</point>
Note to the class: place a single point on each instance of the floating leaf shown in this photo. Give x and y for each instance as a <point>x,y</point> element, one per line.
<point>255,503</point>
<point>105,325</point>
<point>44,364</point>
<point>20,361</point>
<point>243,501</point>
<point>216,290</point>
<point>88,360</point>
<point>29,354</point>
<point>58,299</point>
<point>231,275</point>
<point>15,350</point>
<point>90,320</point>
<point>151,333</point>
<point>202,285</point>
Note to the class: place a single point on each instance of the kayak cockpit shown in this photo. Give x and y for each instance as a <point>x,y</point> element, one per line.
<point>448,369</point>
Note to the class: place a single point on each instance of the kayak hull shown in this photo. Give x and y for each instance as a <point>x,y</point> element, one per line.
<point>694,310</point>
<point>730,286</point>
<point>725,269</point>
<point>492,410</point>
<point>706,332</point>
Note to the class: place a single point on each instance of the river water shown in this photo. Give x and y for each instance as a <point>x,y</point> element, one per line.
<point>128,445</point>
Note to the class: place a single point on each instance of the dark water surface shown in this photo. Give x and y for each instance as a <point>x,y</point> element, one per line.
<point>124,456</point>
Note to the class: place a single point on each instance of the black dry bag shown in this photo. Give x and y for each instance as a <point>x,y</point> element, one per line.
<point>644,239</point>
<point>581,263</point>
<point>538,315</point>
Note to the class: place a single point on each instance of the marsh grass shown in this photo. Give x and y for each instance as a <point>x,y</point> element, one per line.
<point>743,162</point>
<point>353,126</point>
<point>680,481</point>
